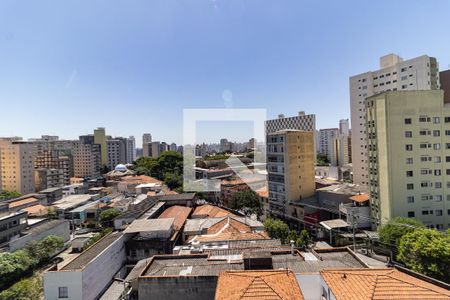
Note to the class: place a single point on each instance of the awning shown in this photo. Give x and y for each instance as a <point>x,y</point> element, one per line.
<point>332,224</point>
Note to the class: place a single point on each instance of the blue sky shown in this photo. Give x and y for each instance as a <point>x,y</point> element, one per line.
<point>132,66</point>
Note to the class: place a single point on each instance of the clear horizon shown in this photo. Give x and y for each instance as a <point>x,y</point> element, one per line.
<point>67,68</point>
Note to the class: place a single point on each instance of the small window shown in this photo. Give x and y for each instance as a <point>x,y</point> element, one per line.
<point>409,160</point>
<point>409,186</point>
<point>436,133</point>
<point>409,147</point>
<point>410,199</point>
<point>411,214</point>
<point>436,120</point>
<point>438,212</point>
<point>408,121</point>
<point>63,292</point>
<point>409,173</point>
<point>408,134</point>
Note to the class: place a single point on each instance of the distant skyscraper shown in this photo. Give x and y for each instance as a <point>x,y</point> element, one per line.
<point>117,152</point>
<point>173,147</point>
<point>146,140</point>
<point>100,139</point>
<point>131,149</point>
<point>326,137</point>
<point>87,157</point>
<point>344,127</point>
<point>155,149</point>
<point>16,166</point>
<point>420,73</point>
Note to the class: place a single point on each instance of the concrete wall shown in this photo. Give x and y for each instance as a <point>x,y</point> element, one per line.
<point>61,230</point>
<point>100,272</point>
<point>310,285</point>
<point>71,280</point>
<point>176,288</point>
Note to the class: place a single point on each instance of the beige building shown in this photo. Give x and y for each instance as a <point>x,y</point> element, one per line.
<point>341,150</point>
<point>16,166</point>
<point>419,73</point>
<point>100,139</point>
<point>408,143</point>
<point>86,160</point>
<point>290,167</point>
<point>146,140</point>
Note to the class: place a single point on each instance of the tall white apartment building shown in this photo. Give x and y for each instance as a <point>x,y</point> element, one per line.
<point>146,140</point>
<point>326,137</point>
<point>16,166</point>
<point>344,127</point>
<point>131,149</point>
<point>420,73</point>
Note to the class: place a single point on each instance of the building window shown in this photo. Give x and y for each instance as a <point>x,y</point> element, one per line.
<point>409,173</point>
<point>409,160</point>
<point>409,147</point>
<point>409,186</point>
<point>436,120</point>
<point>411,214</point>
<point>436,133</point>
<point>447,119</point>
<point>436,146</point>
<point>63,292</point>
<point>447,132</point>
<point>408,134</point>
<point>438,212</point>
<point>410,199</point>
<point>438,185</point>
<point>408,121</point>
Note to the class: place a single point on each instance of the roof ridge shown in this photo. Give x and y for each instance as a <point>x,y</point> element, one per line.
<point>251,284</point>
<point>417,284</point>
<point>374,287</point>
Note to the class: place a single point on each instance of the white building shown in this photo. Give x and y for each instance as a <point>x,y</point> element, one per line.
<point>326,137</point>
<point>419,73</point>
<point>344,127</point>
<point>131,149</point>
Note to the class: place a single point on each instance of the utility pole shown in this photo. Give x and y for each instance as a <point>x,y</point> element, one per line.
<point>353,228</point>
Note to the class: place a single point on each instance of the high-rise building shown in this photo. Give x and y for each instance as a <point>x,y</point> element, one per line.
<point>419,73</point>
<point>48,178</point>
<point>131,149</point>
<point>444,78</point>
<point>155,149</point>
<point>146,140</point>
<point>100,139</point>
<point>326,137</point>
<point>344,127</point>
<point>87,157</point>
<point>409,157</point>
<point>290,167</point>
<point>117,152</point>
<point>341,153</point>
<point>16,166</point>
<point>173,147</point>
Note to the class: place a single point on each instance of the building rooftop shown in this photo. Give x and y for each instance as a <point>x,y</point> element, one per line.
<point>360,198</point>
<point>267,284</point>
<point>210,211</point>
<point>380,284</point>
<point>179,213</point>
<point>139,209</point>
<point>229,229</point>
<point>150,225</point>
<point>88,205</point>
<point>44,226</point>
<point>139,179</point>
<point>174,197</point>
<point>187,265</point>
<point>345,188</point>
<point>92,252</point>
<point>193,225</point>
<point>22,202</point>
<point>50,190</point>
<point>36,210</point>
<point>72,201</point>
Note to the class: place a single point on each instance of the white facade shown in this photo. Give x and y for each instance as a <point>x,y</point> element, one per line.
<point>326,137</point>
<point>131,149</point>
<point>419,73</point>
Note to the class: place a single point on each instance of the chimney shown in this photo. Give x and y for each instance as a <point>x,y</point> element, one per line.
<point>292,247</point>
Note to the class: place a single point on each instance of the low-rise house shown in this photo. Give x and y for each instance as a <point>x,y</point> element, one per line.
<point>52,194</point>
<point>151,236</point>
<point>390,283</point>
<point>210,211</point>
<point>68,203</point>
<point>88,275</point>
<point>39,231</point>
<point>262,284</point>
<point>179,213</point>
<point>135,211</point>
<point>23,203</point>
<point>12,224</point>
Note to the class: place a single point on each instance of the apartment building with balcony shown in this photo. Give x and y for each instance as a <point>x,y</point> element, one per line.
<point>408,145</point>
<point>420,73</point>
<point>290,167</point>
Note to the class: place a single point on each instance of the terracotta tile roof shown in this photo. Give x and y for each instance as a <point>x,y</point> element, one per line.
<point>22,202</point>
<point>360,198</point>
<point>263,192</point>
<point>140,179</point>
<point>230,229</point>
<point>37,210</point>
<point>179,213</point>
<point>242,181</point>
<point>210,211</point>
<point>379,284</point>
<point>270,285</point>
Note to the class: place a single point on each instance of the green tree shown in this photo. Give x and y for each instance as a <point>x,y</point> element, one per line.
<point>173,180</point>
<point>13,266</point>
<point>391,233</point>
<point>108,215</point>
<point>42,250</point>
<point>322,160</point>
<point>303,239</point>
<point>426,251</point>
<point>6,195</point>
<point>277,229</point>
<point>29,288</point>
<point>246,201</point>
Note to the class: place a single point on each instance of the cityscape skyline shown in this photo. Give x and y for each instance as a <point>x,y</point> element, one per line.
<point>158,80</point>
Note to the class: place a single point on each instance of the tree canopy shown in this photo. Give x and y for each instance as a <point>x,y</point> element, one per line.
<point>246,201</point>
<point>29,288</point>
<point>108,215</point>
<point>6,195</point>
<point>426,251</point>
<point>392,232</point>
<point>322,160</point>
<point>277,229</point>
<point>168,166</point>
